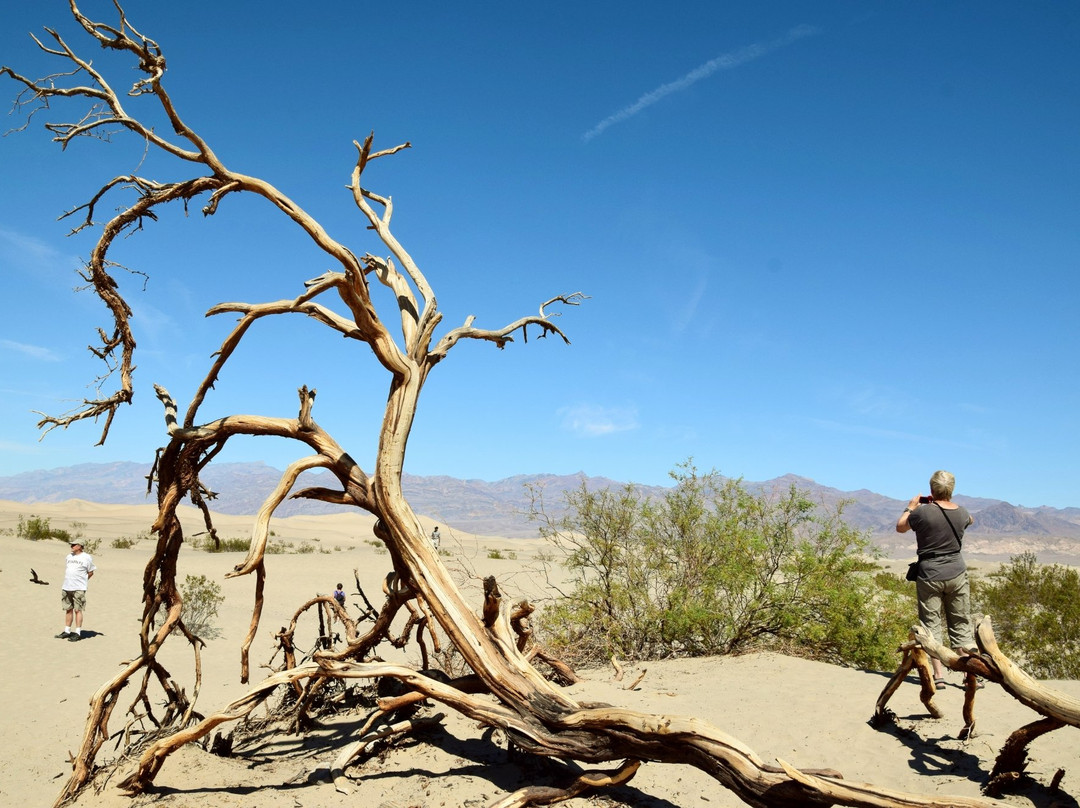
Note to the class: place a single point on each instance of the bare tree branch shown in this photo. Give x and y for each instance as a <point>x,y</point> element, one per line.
<point>503,335</point>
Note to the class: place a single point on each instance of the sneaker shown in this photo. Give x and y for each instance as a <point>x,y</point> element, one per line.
<point>73,637</point>
<point>63,635</point>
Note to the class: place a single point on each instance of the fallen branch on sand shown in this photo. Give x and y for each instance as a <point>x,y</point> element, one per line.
<point>1058,709</point>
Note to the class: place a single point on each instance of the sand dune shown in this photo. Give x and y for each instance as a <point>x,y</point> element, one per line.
<point>808,713</point>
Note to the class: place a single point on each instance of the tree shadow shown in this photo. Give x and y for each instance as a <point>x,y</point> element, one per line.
<point>500,763</point>
<point>489,758</point>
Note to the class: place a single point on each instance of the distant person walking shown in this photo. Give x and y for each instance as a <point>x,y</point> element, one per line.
<point>436,539</point>
<point>339,594</point>
<point>942,580</point>
<point>77,574</point>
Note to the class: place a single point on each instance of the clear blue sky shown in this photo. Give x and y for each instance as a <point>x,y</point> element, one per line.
<point>835,239</point>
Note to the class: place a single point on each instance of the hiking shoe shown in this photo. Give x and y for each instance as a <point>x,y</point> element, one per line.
<point>63,635</point>
<point>73,637</point>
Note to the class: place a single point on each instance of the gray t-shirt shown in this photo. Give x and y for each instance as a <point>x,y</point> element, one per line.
<point>938,547</point>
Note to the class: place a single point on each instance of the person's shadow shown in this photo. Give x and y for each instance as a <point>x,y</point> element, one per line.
<point>87,633</point>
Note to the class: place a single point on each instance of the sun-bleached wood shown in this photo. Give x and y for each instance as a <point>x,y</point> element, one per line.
<point>991,664</point>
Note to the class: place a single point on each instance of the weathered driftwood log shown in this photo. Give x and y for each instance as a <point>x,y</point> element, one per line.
<point>1012,759</point>
<point>1058,709</point>
<point>591,733</point>
<point>913,657</point>
<point>367,737</point>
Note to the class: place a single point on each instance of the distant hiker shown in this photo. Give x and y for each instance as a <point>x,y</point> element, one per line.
<point>941,581</point>
<point>78,571</point>
<point>435,537</point>
<point>339,594</point>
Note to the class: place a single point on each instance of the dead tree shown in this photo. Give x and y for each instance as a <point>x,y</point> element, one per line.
<point>537,715</point>
<point>1057,709</point>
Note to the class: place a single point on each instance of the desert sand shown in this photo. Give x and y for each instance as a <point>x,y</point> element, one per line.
<point>811,714</point>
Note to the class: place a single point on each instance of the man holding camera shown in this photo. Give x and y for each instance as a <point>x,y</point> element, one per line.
<point>942,581</point>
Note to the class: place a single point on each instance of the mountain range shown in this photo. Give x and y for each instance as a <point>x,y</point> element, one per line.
<point>501,508</point>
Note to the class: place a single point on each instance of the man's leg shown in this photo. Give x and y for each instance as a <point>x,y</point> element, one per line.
<point>68,605</point>
<point>79,604</point>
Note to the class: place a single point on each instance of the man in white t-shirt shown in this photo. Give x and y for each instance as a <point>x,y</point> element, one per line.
<point>77,574</point>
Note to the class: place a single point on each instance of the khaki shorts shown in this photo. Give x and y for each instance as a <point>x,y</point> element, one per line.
<point>73,600</point>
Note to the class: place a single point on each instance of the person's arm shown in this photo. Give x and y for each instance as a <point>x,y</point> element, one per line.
<point>902,525</point>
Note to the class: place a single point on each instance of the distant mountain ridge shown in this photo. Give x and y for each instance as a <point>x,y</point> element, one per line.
<point>499,508</point>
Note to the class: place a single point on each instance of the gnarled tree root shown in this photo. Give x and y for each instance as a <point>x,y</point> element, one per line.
<point>595,734</point>
<point>1012,759</point>
<point>350,752</point>
<point>1057,708</point>
<point>913,657</point>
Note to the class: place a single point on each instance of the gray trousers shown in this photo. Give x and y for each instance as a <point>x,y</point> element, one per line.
<point>954,598</point>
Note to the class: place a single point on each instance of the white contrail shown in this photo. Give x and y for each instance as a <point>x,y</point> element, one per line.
<point>723,62</point>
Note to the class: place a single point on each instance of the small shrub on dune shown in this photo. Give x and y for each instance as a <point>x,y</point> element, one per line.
<point>713,569</point>
<point>230,545</point>
<point>202,597</point>
<point>1036,614</point>
<point>35,528</point>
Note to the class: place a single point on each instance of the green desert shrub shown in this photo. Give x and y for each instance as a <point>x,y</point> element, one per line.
<point>90,545</point>
<point>712,569</point>
<point>35,528</point>
<point>1035,610</point>
<point>211,545</point>
<point>202,597</point>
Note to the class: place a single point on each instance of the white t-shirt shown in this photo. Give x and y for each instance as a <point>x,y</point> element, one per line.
<point>77,573</point>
